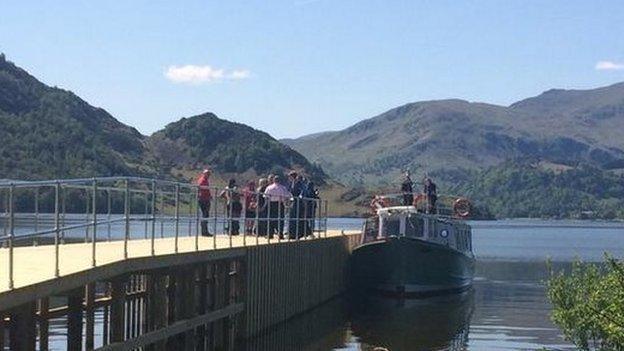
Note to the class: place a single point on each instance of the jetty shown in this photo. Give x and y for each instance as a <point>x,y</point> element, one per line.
<point>122,264</point>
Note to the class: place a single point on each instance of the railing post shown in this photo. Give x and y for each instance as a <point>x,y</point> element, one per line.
<point>36,209</point>
<point>57,226</point>
<point>257,223</point>
<point>94,237</point>
<point>197,218</point>
<point>108,213</point>
<point>325,219</point>
<point>230,217</point>
<point>126,217</point>
<point>216,213</point>
<point>153,216</point>
<point>177,215</point>
<point>11,231</point>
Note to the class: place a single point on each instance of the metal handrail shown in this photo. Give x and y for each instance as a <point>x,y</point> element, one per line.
<point>158,198</point>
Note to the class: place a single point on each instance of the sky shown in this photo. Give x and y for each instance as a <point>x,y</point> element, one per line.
<point>296,67</point>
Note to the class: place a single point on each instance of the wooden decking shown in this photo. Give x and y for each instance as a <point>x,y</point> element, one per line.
<point>35,265</point>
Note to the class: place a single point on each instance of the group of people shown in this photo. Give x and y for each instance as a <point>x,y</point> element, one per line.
<point>430,193</point>
<point>265,205</point>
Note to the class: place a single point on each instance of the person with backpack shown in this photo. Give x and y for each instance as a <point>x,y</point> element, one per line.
<point>233,208</point>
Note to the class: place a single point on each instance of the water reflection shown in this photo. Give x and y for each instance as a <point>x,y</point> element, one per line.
<point>437,323</point>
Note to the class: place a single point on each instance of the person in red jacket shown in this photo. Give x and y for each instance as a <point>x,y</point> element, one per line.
<point>204,198</point>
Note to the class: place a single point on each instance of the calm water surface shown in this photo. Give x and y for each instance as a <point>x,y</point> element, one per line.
<point>506,310</point>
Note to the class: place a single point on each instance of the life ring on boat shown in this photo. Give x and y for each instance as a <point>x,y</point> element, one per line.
<point>378,202</point>
<point>418,200</point>
<point>462,207</point>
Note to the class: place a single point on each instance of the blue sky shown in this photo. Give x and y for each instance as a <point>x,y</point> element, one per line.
<point>295,67</point>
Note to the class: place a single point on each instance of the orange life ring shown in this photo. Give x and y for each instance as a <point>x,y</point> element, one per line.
<point>418,199</point>
<point>462,207</point>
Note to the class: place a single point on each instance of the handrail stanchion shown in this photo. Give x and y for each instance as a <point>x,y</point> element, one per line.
<point>11,231</point>
<point>177,216</point>
<point>216,204</point>
<point>36,209</point>
<point>63,211</point>
<point>108,213</point>
<point>153,217</point>
<point>296,203</point>
<point>244,220</point>
<point>325,219</point>
<point>87,202</point>
<point>94,237</point>
<point>256,224</point>
<point>57,227</point>
<point>268,220</point>
<point>229,215</point>
<point>146,212</point>
<point>280,220</point>
<point>196,218</point>
<point>126,217</point>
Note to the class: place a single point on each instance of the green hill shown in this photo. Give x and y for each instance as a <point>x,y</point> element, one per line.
<point>226,146</point>
<point>49,132</point>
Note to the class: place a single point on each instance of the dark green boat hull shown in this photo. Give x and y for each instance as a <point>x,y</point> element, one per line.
<point>407,267</point>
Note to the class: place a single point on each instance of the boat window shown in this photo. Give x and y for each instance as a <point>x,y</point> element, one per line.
<point>371,229</point>
<point>414,226</point>
<point>391,226</point>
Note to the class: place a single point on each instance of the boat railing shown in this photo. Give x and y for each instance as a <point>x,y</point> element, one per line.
<point>445,206</point>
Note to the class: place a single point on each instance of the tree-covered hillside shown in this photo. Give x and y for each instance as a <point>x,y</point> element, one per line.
<point>226,146</point>
<point>49,132</point>
<point>525,190</point>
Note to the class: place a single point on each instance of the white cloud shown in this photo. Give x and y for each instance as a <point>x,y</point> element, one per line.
<point>609,66</point>
<point>239,74</point>
<point>194,74</point>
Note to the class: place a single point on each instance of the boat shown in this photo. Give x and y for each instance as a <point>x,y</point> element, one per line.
<point>414,250</point>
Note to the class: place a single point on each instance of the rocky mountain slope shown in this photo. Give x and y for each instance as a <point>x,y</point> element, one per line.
<point>451,138</point>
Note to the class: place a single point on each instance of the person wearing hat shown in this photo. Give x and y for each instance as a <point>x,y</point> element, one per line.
<point>204,197</point>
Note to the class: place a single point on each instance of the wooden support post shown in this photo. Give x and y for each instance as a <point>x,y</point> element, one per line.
<point>118,297</point>
<point>218,326</point>
<point>90,316</point>
<point>184,303</point>
<point>23,335</point>
<point>171,304</point>
<point>156,306</point>
<point>74,320</point>
<point>2,327</point>
<point>44,323</point>
<point>202,306</point>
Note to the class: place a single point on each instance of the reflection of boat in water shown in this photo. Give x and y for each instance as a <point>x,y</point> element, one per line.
<point>409,253</point>
<point>435,323</point>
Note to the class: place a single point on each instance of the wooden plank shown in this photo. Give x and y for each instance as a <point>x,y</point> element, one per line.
<point>23,335</point>
<point>44,323</point>
<point>90,316</point>
<point>174,329</point>
<point>117,318</point>
<point>74,320</point>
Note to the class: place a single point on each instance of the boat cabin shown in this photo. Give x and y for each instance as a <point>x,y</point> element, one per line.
<point>407,221</point>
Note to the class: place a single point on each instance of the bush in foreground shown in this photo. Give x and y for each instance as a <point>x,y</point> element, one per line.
<point>588,304</point>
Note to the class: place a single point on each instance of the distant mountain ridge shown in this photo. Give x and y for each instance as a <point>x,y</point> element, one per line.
<point>48,132</point>
<point>453,137</point>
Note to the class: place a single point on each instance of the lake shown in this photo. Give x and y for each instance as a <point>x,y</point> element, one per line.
<point>506,310</point>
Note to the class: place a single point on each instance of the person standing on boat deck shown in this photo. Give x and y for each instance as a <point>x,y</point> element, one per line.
<point>277,194</point>
<point>262,208</point>
<point>431,193</point>
<point>233,207</point>
<point>203,198</point>
<point>407,188</point>
<point>296,187</point>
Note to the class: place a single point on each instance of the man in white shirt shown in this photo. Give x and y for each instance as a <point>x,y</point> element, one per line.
<point>278,195</point>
